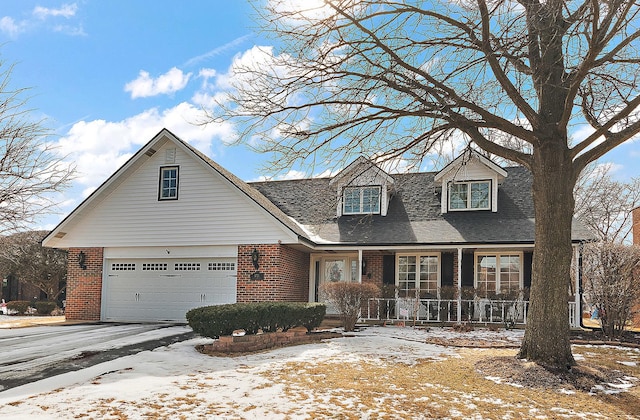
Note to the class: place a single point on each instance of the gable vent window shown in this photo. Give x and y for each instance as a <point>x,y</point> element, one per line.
<point>187,267</point>
<point>470,195</point>
<point>361,200</point>
<point>168,183</point>
<point>123,267</point>
<point>222,266</point>
<point>154,267</point>
<point>170,156</point>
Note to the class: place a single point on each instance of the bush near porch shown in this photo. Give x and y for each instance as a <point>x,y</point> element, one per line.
<point>219,320</point>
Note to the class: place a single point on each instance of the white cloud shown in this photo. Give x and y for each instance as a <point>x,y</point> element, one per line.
<point>290,175</point>
<point>100,147</point>
<point>40,15</point>
<point>146,86</point>
<point>66,11</point>
<point>70,30</point>
<point>11,27</point>
<point>395,165</point>
<point>301,11</point>
<point>239,73</point>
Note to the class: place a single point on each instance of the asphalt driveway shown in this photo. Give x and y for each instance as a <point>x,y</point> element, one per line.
<point>34,353</point>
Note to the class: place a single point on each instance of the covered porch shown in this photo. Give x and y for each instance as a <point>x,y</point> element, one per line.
<point>474,283</point>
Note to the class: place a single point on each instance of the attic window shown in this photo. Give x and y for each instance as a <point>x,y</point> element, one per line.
<point>470,195</point>
<point>168,183</point>
<point>361,200</point>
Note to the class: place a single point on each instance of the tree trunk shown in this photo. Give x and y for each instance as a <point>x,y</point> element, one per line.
<point>546,339</point>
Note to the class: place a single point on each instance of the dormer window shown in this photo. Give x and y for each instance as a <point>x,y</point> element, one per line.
<point>470,195</point>
<point>361,200</point>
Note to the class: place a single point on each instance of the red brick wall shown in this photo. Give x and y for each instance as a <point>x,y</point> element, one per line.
<point>373,268</point>
<point>84,287</point>
<point>285,270</point>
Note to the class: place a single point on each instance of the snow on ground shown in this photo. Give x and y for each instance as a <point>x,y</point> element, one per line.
<point>178,382</point>
<point>169,379</point>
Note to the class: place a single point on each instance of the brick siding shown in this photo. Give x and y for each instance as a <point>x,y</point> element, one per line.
<point>285,270</point>
<point>84,286</point>
<point>373,268</point>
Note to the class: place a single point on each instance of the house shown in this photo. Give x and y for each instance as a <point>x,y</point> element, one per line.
<point>172,230</point>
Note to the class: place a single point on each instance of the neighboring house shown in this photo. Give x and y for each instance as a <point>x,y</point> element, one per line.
<point>172,230</point>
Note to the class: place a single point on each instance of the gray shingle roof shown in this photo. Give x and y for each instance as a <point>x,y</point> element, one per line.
<point>413,216</point>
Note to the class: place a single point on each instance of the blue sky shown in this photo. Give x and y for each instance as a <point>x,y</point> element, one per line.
<point>108,75</point>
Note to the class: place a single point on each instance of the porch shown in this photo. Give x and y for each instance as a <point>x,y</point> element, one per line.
<point>511,313</point>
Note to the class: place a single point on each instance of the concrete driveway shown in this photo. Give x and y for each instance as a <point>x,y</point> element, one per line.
<point>34,353</point>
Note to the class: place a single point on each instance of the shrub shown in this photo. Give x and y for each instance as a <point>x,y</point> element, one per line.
<point>45,307</point>
<point>19,306</point>
<point>348,299</point>
<point>612,283</point>
<point>215,321</point>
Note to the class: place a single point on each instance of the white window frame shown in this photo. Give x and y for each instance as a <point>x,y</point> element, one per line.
<point>417,273</point>
<point>498,255</point>
<point>162,189</point>
<point>468,203</point>
<point>361,193</point>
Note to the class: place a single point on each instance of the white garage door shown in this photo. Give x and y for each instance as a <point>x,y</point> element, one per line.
<point>164,290</point>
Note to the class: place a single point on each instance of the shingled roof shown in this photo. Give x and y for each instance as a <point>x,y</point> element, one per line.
<point>414,216</point>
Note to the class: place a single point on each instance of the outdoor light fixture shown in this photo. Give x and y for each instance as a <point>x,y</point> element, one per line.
<point>255,258</point>
<point>82,258</point>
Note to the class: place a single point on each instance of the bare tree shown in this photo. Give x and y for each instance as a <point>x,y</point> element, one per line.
<point>30,170</point>
<point>612,283</point>
<point>404,77</point>
<point>22,255</point>
<point>604,204</point>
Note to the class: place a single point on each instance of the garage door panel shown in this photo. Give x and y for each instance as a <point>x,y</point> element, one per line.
<point>164,290</point>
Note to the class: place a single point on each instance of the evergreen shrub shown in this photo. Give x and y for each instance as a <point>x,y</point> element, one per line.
<point>218,320</point>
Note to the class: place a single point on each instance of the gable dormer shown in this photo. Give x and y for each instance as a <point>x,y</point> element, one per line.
<point>470,183</point>
<point>362,188</point>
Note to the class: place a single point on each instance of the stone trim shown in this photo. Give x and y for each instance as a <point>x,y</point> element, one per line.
<point>232,345</point>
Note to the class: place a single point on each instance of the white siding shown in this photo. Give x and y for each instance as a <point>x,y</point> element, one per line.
<point>209,211</point>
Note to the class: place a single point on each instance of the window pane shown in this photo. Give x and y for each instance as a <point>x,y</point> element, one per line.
<point>458,196</point>
<point>354,271</point>
<point>509,273</point>
<point>406,275</point>
<point>351,200</point>
<point>371,200</point>
<point>429,274</point>
<point>486,274</point>
<point>169,183</point>
<point>480,195</point>
<point>334,270</point>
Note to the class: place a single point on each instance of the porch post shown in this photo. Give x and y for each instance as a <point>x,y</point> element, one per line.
<point>577,321</point>
<point>459,314</point>
<point>359,266</point>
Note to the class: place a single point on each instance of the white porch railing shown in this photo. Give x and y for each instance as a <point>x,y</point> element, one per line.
<point>511,312</point>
